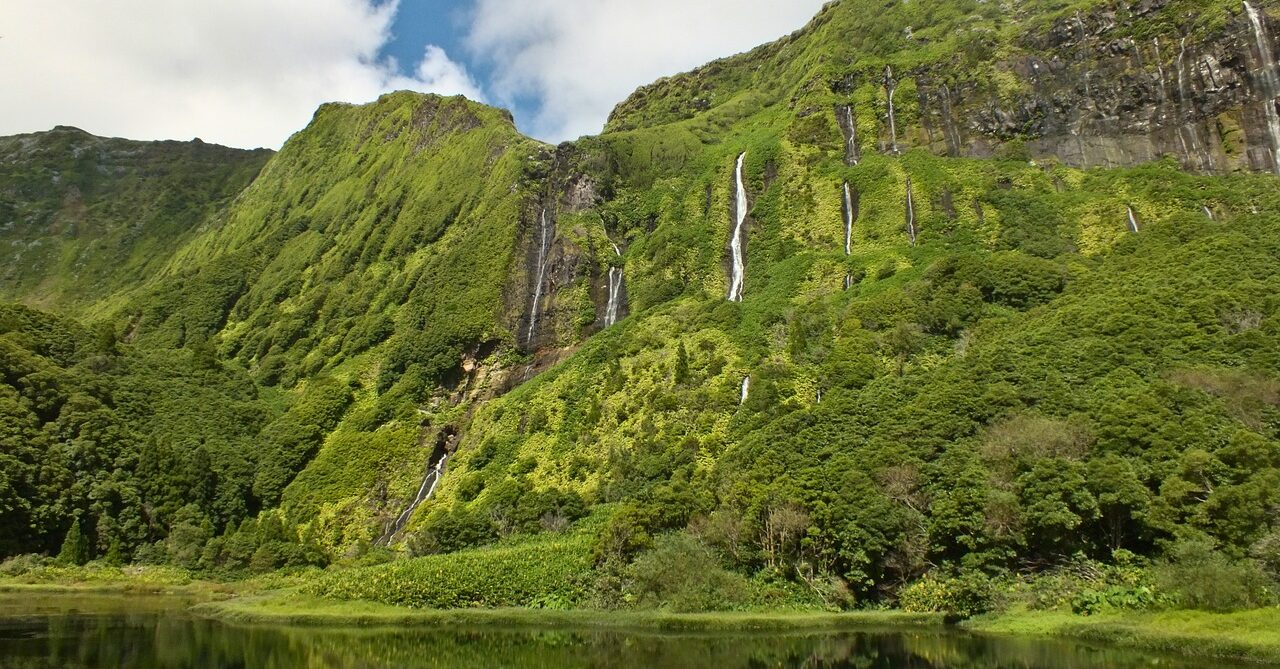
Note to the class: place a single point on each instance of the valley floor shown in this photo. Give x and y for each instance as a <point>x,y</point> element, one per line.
<point>1249,636</point>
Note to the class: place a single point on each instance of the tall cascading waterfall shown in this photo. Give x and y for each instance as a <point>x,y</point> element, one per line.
<point>428,488</point>
<point>848,219</point>
<point>1267,81</point>
<point>912,232</point>
<point>891,86</point>
<point>1186,123</point>
<point>736,278</point>
<point>849,125</point>
<point>544,248</point>
<point>1133,220</point>
<point>615,291</point>
<point>746,390</point>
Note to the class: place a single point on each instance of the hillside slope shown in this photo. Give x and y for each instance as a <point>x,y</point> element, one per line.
<point>859,306</point>
<point>82,217</point>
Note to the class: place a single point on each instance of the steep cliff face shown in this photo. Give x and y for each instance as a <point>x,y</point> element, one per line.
<point>1093,91</point>
<point>1099,85</point>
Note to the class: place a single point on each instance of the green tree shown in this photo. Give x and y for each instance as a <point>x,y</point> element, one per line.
<point>75,546</point>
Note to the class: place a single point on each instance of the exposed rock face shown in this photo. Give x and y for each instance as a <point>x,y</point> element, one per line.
<point>1093,99</point>
<point>566,270</point>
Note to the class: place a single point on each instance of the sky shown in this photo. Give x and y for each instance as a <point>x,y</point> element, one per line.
<point>250,73</point>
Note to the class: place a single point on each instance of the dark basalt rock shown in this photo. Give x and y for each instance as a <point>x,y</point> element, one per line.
<point>1090,98</point>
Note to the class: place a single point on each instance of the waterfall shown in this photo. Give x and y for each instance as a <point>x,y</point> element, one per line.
<point>851,153</point>
<point>819,396</point>
<point>746,390</point>
<point>911,214</point>
<point>1267,80</point>
<point>735,244</point>
<point>1164,95</point>
<point>615,291</point>
<point>425,491</point>
<point>848,220</point>
<point>544,247</point>
<point>892,87</point>
<point>1182,86</point>
<point>1209,213</point>
<point>1133,220</point>
<point>848,281</point>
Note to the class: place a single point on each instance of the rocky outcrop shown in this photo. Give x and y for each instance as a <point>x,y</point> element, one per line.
<point>1093,97</point>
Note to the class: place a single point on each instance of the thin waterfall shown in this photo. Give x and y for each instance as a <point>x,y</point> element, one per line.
<point>1164,95</point>
<point>428,488</point>
<point>848,220</point>
<point>851,154</point>
<point>544,247</point>
<point>746,390</point>
<point>848,281</point>
<point>1182,85</point>
<point>615,291</point>
<point>1209,213</point>
<point>911,214</point>
<point>1133,220</point>
<point>1267,80</point>
<point>892,87</point>
<point>735,244</point>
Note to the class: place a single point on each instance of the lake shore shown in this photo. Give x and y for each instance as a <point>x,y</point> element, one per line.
<point>289,608</point>
<point>1245,636</point>
<point>1250,636</point>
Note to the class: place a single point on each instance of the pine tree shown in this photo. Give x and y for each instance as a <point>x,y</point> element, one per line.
<point>682,364</point>
<point>75,548</point>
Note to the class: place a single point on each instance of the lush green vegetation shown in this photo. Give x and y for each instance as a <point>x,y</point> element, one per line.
<point>1030,409</point>
<point>82,217</point>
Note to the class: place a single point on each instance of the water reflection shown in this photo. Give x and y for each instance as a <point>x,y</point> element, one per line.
<point>155,634</point>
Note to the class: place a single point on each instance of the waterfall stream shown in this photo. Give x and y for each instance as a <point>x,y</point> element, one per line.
<point>1164,94</point>
<point>1267,80</point>
<point>1209,213</point>
<point>615,291</point>
<point>735,244</point>
<point>911,214</point>
<point>1133,220</point>
<point>892,86</point>
<point>848,220</point>
<point>428,488</point>
<point>851,153</point>
<point>746,390</point>
<point>544,247</point>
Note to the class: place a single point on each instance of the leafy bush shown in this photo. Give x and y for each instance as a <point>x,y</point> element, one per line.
<point>1200,577</point>
<point>681,574</point>
<point>962,596</point>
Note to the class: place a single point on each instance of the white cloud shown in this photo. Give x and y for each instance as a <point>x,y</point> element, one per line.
<point>239,72</point>
<point>581,58</point>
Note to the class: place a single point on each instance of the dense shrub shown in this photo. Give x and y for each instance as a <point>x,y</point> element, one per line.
<point>681,574</point>
<point>962,596</point>
<point>547,572</point>
<point>1199,577</point>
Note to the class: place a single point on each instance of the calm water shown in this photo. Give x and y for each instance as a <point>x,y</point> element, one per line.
<point>152,633</point>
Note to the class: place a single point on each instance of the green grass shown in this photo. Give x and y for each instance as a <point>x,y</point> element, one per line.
<point>293,608</point>
<point>1249,635</point>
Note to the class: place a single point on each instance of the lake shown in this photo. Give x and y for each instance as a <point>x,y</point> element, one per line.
<point>109,632</point>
